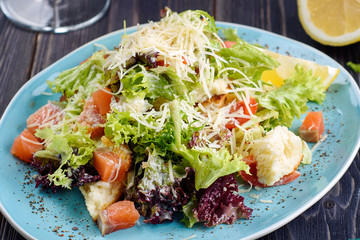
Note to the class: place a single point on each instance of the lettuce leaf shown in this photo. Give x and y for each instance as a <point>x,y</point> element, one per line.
<point>168,74</point>
<point>219,203</point>
<point>63,145</point>
<point>209,164</point>
<point>85,75</point>
<point>290,99</point>
<point>354,66</point>
<point>157,172</point>
<point>122,128</point>
<point>136,83</point>
<point>152,84</point>
<point>262,116</point>
<point>70,148</point>
<point>307,154</point>
<point>75,104</point>
<point>189,217</point>
<point>248,59</point>
<point>198,15</point>
<point>230,34</point>
<point>60,178</point>
<point>157,187</point>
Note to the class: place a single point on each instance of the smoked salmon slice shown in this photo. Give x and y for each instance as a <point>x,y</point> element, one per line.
<point>102,100</point>
<point>47,115</point>
<point>312,128</point>
<point>92,118</point>
<point>25,145</point>
<point>119,215</point>
<point>229,44</point>
<point>112,165</point>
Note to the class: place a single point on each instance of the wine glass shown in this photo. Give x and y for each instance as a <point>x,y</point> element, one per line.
<point>57,16</point>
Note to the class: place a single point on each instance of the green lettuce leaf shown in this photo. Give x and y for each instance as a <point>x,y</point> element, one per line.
<point>122,128</point>
<point>85,75</point>
<point>189,218</point>
<point>158,82</point>
<point>209,164</point>
<point>211,27</point>
<point>199,15</point>
<point>262,116</point>
<point>248,59</point>
<point>136,83</point>
<point>230,34</point>
<point>307,154</point>
<point>70,148</point>
<point>63,144</point>
<point>74,105</point>
<point>290,99</point>
<point>157,172</point>
<point>169,76</point>
<point>59,178</point>
<point>354,66</point>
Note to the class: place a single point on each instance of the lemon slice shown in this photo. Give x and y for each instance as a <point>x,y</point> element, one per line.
<point>287,68</point>
<point>331,22</point>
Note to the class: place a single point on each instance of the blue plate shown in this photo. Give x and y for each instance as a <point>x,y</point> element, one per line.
<point>40,214</point>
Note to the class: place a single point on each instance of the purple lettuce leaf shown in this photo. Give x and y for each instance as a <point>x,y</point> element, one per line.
<point>83,174</point>
<point>221,203</point>
<point>159,203</point>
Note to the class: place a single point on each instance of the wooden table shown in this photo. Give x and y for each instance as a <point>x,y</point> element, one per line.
<point>24,53</point>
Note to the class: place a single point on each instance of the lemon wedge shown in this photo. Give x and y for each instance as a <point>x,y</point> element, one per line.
<point>287,68</point>
<point>331,22</point>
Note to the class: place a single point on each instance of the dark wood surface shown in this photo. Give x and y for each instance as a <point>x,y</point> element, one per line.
<point>25,53</point>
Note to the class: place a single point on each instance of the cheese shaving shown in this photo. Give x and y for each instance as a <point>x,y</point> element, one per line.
<point>322,139</point>
<point>256,196</point>
<point>265,201</point>
<point>117,169</point>
<point>29,140</point>
<point>241,190</point>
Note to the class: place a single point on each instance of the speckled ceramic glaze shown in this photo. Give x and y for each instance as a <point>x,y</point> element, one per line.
<point>42,215</point>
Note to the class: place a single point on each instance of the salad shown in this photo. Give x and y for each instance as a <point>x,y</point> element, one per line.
<point>169,122</point>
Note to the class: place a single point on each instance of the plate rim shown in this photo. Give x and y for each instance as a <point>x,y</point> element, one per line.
<point>260,233</point>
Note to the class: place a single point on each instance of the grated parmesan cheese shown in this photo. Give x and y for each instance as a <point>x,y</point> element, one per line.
<point>241,190</point>
<point>179,40</point>
<point>265,201</point>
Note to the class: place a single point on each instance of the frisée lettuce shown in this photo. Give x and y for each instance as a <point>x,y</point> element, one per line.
<point>66,148</point>
<point>290,99</point>
<point>85,75</point>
